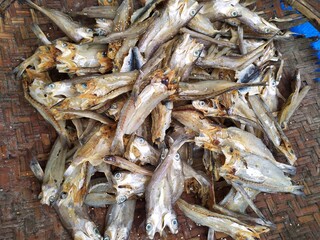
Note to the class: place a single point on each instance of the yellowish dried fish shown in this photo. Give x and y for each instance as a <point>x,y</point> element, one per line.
<point>221,223</point>
<point>53,173</point>
<point>129,185</point>
<point>272,128</point>
<point>140,151</point>
<point>74,58</point>
<point>69,206</point>
<point>161,119</point>
<point>135,112</point>
<point>94,149</point>
<point>126,165</point>
<point>292,102</point>
<point>202,73</point>
<point>159,32</point>
<point>72,29</point>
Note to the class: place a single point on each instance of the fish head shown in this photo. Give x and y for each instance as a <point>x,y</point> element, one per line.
<point>139,150</point>
<point>103,26</point>
<point>105,62</point>
<point>221,10</point>
<point>115,108</point>
<point>49,194</point>
<point>154,225</point>
<point>47,56</point>
<point>86,34</point>
<point>68,50</point>
<point>92,230</point>
<point>267,28</point>
<point>37,92</point>
<point>88,232</point>
<point>116,233</point>
<point>170,220</point>
<point>186,53</point>
<point>251,233</point>
<point>59,89</point>
<point>128,184</point>
<point>203,106</point>
<point>182,10</point>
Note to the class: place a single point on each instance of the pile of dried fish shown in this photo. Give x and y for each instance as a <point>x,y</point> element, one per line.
<point>162,97</point>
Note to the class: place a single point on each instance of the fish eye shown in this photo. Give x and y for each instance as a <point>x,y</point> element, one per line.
<point>175,222</point>
<point>89,30</point>
<point>177,157</point>
<point>197,53</point>
<point>63,44</point>
<point>267,30</point>
<point>104,54</point>
<point>51,85</point>
<point>202,103</point>
<point>234,13</point>
<point>96,231</point>
<point>117,176</point>
<point>84,85</point>
<point>106,238</point>
<point>113,106</point>
<point>141,140</point>
<point>148,227</point>
<point>122,199</point>
<point>193,12</point>
<point>163,155</point>
<point>63,195</point>
<point>51,199</point>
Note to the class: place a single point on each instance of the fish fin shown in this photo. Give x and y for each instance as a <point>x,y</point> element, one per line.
<point>69,170</point>
<point>117,146</point>
<point>243,192</point>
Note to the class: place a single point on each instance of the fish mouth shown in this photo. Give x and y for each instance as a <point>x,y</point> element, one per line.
<point>86,40</point>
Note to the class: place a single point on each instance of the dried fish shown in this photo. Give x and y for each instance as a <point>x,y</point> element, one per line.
<point>158,93</point>
<point>72,29</point>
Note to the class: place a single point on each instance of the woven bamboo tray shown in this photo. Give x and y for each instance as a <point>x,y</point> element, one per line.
<point>23,130</point>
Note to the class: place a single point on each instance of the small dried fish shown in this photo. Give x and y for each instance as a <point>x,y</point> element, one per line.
<point>72,29</point>
<point>221,223</point>
<point>156,92</point>
<point>119,220</point>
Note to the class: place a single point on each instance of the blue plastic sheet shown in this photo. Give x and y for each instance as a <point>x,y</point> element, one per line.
<point>308,30</point>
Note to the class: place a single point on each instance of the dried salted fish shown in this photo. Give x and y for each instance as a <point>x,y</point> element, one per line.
<point>156,93</point>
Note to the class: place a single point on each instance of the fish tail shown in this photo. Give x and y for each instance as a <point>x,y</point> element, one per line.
<point>36,169</point>
<point>19,70</point>
<point>298,190</point>
<point>40,34</point>
<point>287,168</point>
<point>31,4</point>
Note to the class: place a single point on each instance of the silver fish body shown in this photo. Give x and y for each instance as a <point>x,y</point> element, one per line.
<point>119,220</point>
